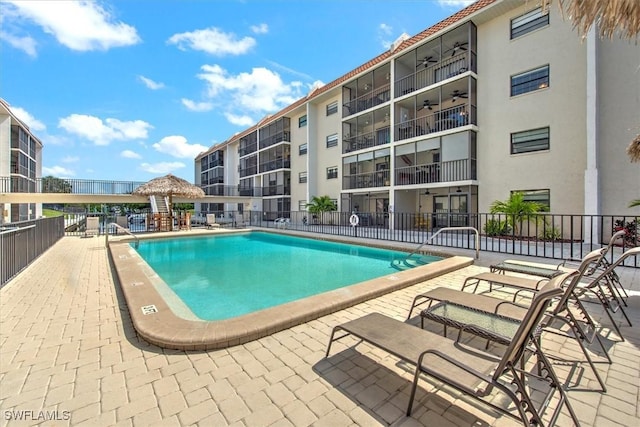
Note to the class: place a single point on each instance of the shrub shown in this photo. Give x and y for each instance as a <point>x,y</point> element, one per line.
<point>495,227</point>
<point>551,233</point>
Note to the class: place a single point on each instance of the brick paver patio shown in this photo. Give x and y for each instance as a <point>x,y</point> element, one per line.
<point>68,350</point>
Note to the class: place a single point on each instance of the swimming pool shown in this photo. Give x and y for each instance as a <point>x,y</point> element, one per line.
<point>161,318</point>
<point>224,276</point>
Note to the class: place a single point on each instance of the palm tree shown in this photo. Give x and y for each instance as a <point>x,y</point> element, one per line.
<point>517,209</point>
<point>320,205</point>
<point>634,203</point>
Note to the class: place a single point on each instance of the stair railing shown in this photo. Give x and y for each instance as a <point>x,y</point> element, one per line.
<point>119,227</point>
<point>477,239</point>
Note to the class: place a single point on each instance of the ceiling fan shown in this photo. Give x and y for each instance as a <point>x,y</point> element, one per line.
<point>428,105</point>
<point>458,46</point>
<point>426,61</point>
<point>457,94</point>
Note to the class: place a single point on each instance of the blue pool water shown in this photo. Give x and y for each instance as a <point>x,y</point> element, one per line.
<point>219,277</point>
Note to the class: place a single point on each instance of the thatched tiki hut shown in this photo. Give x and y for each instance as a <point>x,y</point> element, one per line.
<point>169,185</point>
<point>612,17</point>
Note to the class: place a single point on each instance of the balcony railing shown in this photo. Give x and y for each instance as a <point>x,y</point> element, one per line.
<point>97,187</point>
<point>276,190</point>
<point>445,119</point>
<point>275,164</point>
<point>455,170</point>
<point>247,171</point>
<point>427,76</point>
<point>284,136</point>
<point>374,98</point>
<point>367,180</point>
<point>247,149</point>
<point>366,140</point>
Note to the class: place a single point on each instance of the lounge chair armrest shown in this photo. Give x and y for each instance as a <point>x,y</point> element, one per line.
<point>456,363</point>
<point>510,303</point>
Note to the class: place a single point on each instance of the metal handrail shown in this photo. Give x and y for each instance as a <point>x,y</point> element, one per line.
<point>449,229</point>
<point>16,229</point>
<point>119,227</point>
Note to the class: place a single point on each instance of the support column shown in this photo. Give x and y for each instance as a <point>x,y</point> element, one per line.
<point>591,181</point>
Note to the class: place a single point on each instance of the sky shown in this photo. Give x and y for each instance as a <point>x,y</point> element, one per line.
<point>128,90</point>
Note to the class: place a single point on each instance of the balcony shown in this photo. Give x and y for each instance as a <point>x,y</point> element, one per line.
<point>284,136</point>
<point>372,99</point>
<point>247,171</point>
<point>275,164</point>
<point>456,170</point>
<point>441,120</point>
<point>276,190</point>
<point>246,149</point>
<point>430,75</point>
<point>379,178</point>
<point>361,141</point>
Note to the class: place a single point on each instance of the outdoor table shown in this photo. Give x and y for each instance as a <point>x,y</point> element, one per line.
<point>490,326</point>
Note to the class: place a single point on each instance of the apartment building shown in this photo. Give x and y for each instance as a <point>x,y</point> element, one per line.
<point>21,161</point>
<point>500,97</point>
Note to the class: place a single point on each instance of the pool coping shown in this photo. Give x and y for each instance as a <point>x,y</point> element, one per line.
<point>162,327</point>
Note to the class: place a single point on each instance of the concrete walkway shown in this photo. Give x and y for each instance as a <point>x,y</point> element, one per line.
<point>68,352</point>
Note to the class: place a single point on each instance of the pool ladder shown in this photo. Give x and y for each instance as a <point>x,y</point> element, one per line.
<point>426,242</point>
<point>119,227</point>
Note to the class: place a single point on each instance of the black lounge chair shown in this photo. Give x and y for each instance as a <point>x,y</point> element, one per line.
<point>469,370</point>
<point>560,315</point>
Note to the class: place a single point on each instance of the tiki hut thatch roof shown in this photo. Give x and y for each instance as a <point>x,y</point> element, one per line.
<point>611,16</point>
<point>169,185</point>
<point>633,150</point>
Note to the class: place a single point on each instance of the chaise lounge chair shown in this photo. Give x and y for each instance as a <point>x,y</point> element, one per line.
<point>211,221</point>
<point>92,226</point>
<point>469,370</point>
<point>460,309</point>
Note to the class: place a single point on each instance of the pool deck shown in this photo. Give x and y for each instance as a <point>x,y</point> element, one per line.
<point>68,350</point>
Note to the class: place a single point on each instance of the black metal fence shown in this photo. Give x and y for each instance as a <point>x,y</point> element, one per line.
<point>22,242</point>
<point>544,235</point>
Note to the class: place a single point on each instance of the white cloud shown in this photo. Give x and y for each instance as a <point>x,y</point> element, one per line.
<point>70,159</point>
<point>24,43</point>
<point>239,120</point>
<point>260,29</point>
<point>161,167</point>
<point>103,133</point>
<point>385,28</point>
<point>128,154</point>
<point>384,31</point>
<point>289,70</point>
<point>259,91</point>
<point>197,106</point>
<point>177,146</point>
<point>150,83</point>
<point>79,25</point>
<point>455,3</point>
<point>57,171</point>
<point>34,124</point>
<point>214,41</point>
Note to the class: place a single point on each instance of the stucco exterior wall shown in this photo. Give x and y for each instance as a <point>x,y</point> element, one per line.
<point>561,107</point>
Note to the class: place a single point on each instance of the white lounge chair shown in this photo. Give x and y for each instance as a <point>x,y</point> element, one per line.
<point>211,221</point>
<point>92,226</point>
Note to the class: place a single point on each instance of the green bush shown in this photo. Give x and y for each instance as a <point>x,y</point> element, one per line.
<point>495,227</point>
<point>551,233</point>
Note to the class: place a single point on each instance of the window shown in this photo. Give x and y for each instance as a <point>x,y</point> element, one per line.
<point>332,140</point>
<point>332,172</point>
<point>302,121</point>
<point>530,81</point>
<point>537,18</point>
<point>302,205</point>
<point>302,149</point>
<point>332,108</point>
<point>302,177</point>
<point>530,140</point>
<point>539,196</point>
